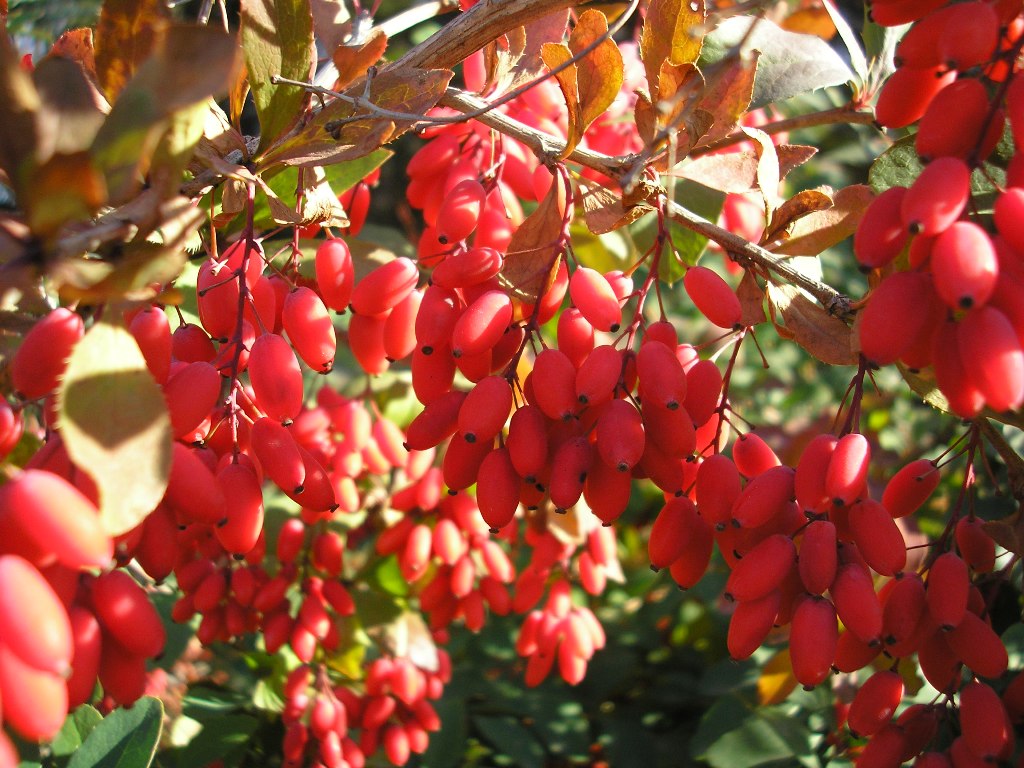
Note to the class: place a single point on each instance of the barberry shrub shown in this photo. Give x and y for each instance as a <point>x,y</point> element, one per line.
<point>524,396</point>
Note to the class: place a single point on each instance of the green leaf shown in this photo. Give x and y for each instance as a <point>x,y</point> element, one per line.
<point>791,63</point>
<point>341,176</point>
<point>898,166</point>
<point>764,738</point>
<point>115,424</point>
<point>880,47</point>
<point>277,39</point>
<point>387,576</point>
<point>224,738</point>
<point>510,739</point>
<point>76,729</point>
<point>688,244</point>
<point>127,738</point>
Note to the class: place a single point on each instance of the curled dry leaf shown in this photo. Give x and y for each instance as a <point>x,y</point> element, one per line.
<point>531,258</point>
<point>734,172</point>
<point>605,211</point>
<point>797,317</point>
<point>801,204</point>
<point>822,229</point>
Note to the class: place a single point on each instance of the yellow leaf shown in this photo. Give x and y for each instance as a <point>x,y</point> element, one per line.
<point>776,681</point>
<point>599,73</point>
<point>555,55</point>
<point>125,36</point>
<point>115,425</point>
<point>674,32</point>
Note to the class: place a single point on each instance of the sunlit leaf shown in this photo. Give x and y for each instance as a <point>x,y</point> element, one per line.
<point>599,73</point>
<point>733,172</point>
<point>604,211</point>
<point>126,35</point>
<point>803,203</point>
<point>730,86</point>
<point>557,57</point>
<point>797,317</point>
<point>340,132</point>
<point>161,87</point>
<point>858,60</point>
<point>769,173</point>
<point>65,188</point>
<point>115,425</point>
<point>352,61</point>
<point>673,31</point>
<point>78,46</point>
<point>790,63</point>
<point>817,231</point>
<point>277,39</point>
<point>532,255</point>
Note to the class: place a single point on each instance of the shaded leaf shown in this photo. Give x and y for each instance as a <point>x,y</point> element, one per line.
<point>126,34</point>
<point>127,738</point>
<point>733,172</point>
<point>19,104</point>
<point>531,258</point>
<point>604,211</point>
<point>65,188</point>
<point>858,60</point>
<point>689,245</point>
<point>599,73</point>
<point>115,425</point>
<point>76,729</point>
<point>77,45</point>
<point>751,297</point>
<point>803,203</point>
<point>898,166</point>
<point>790,63</point>
<point>768,737</point>
<point>331,22</point>
<point>509,737</point>
<point>556,55</point>
<point>673,31</point>
<point>160,88</point>
<point>352,61</point>
<point>814,233</point>
<point>827,338</point>
<point>277,39</point>
<point>222,738</point>
<point>73,110</point>
<point>340,131</point>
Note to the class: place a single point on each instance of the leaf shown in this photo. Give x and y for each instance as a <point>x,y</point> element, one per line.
<point>126,34</point>
<point>65,188</point>
<point>76,729</point>
<point>827,338</point>
<point>352,61</point>
<point>730,86</point>
<point>820,230</point>
<point>673,31</point>
<point>19,105</point>
<point>776,680</point>
<point>127,738</point>
<point>604,211</point>
<point>767,737</point>
<point>72,110</point>
<point>77,45</point>
<point>803,203</point>
<point>556,55</point>
<point>508,737</point>
<point>531,258</point>
<point>332,22</point>
<point>769,173</point>
<point>898,166</point>
<point>1008,533</point>
<point>176,146</point>
<point>790,63</point>
<point>880,46</point>
<point>751,297</point>
<point>858,60</point>
<point>599,73</point>
<point>115,424</point>
<point>277,39</point>
<point>386,576</point>
<point>161,87</point>
<point>340,132</point>
<point>733,172</point>
<point>222,738</point>
<point>689,245</point>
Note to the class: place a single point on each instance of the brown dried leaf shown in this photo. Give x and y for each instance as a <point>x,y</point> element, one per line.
<point>501,60</point>
<point>77,45</point>
<point>600,72</point>
<point>545,29</point>
<point>352,61</point>
<point>531,258</point>
<point>803,203</point>
<point>335,133</point>
<point>125,36</point>
<point>1008,533</point>
<point>605,211</point>
<point>678,87</point>
<point>646,118</point>
<point>673,31</point>
<point>733,172</point>
<point>730,86</point>
<point>555,55</point>
<point>823,229</point>
<point>751,297</point>
<point>825,337</point>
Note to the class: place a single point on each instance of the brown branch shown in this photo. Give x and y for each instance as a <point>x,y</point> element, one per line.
<point>845,114</point>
